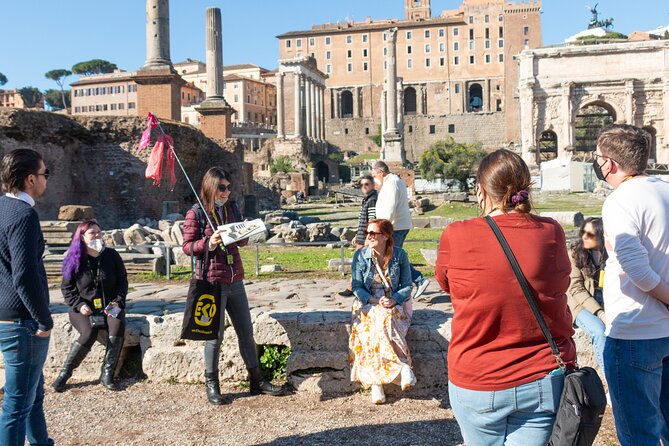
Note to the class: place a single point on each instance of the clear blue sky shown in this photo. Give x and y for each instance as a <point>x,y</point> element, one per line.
<point>40,35</point>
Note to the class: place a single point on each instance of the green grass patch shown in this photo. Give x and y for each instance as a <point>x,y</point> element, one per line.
<point>361,158</point>
<point>456,211</point>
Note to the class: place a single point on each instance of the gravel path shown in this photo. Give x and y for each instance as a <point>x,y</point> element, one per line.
<point>148,413</point>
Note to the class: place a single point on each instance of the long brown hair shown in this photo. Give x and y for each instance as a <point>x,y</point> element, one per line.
<point>582,256</point>
<point>503,174</point>
<point>209,187</point>
<point>386,229</point>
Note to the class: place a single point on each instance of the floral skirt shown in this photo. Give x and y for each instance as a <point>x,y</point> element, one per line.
<point>377,347</point>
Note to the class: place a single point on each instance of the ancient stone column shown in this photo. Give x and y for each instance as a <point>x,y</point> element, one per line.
<point>566,141</point>
<point>336,97</point>
<point>280,132</point>
<point>319,112</point>
<point>313,114</point>
<point>214,54</point>
<point>356,102</point>
<point>298,105</point>
<point>157,33</point>
<point>527,132</point>
<point>307,107</point>
<point>322,112</point>
<point>391,81</point>
<point>629,101</point>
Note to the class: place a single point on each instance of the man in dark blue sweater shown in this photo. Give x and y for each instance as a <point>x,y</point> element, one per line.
<point>25,320</point>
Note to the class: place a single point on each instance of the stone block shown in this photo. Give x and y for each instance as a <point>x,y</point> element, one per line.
<point>270,268</point>
<point>135,235</point>
<point>306,220</point>
<point>430,256</point>
<point>75,213</point>
<point>420,222</point>
<point>566,218</point>
<point>347,235</point>
<point>164,225</point>
<point>180,258</point>
<point>455,196</point>
<point>177,234</point>
<point>335,264</point>
<point>440,222</point>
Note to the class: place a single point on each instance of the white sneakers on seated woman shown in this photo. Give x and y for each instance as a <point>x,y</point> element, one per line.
<point>407,380</point>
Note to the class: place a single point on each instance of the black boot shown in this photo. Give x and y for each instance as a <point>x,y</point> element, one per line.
<point>114,346</point>
<point>213,389</point>
<point>77,354</point>
<point>260,385</point>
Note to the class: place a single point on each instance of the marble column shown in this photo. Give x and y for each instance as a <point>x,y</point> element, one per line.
<point>527,130</point>
<point>308,107</point>
<point>313,114</point>
<point>323,90</point>
<point>280,131</point>
<point>337,103</point>
<point>214,54</point>
<point>354,113</point>
<point>298,105</point>
<point>391,81</point>
<point>629,101</point>
<point>157,33</point>
<point>319,106</point>
<point>566,140</point>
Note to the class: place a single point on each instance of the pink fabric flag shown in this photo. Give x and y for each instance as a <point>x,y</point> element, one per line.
<point>154,168</point>
<point>151,123</point>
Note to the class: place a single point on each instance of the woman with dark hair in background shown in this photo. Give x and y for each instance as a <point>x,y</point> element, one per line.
<point>586,302</point>
<point>504,383</point>
<point>94,286</point>
<point>379,353</point>
<point>225,268</point>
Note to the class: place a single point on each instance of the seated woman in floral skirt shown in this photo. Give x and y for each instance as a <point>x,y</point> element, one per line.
<point>381,313</point>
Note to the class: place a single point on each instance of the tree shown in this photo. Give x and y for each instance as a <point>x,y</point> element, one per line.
<point>3,79</point>
<point>31,96</point>
<point>95,66</point>
<point>451,160</point>
<point>59,76</point>
<point>55,98</point>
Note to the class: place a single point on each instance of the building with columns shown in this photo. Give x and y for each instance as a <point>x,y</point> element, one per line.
<point>455,73</point>
<point>568,93</point>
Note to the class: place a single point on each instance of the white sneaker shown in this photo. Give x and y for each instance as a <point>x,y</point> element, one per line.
<point>408,379</point>
<point>420,289</point>
<point>378,396</point>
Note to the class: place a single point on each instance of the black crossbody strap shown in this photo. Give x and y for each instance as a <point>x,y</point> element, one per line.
<point>531,299</point>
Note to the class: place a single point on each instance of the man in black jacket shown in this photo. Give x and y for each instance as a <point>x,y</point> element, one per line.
<point>25,320</point>
<point>367,214</point>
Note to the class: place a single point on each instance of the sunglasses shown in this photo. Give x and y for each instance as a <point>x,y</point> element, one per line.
<point>365,184</point>
<point>45,174</point>
<point>372,233</point>
<point>224,187</point>
<point>589,234</point>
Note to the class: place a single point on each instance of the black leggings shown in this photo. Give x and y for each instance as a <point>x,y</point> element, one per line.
<point>88,335</point>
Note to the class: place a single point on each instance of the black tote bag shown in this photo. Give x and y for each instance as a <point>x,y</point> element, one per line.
<point>202,319</point>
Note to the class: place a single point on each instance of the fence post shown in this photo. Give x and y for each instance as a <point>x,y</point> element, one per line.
<point>168,261</point>
<point>257,260</point>
<point>343,271</point>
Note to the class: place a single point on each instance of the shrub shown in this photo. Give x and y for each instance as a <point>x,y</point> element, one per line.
<point>281,164</point>
<point>273,360</point>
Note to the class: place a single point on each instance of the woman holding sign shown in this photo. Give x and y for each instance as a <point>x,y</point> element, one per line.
<point>225,269</point>
<point>94,286</point>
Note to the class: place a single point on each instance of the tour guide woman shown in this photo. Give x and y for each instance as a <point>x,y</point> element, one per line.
<point>94,286</point>
<point>379,353</point>
<point>504,383</point>
<point>225,267</point>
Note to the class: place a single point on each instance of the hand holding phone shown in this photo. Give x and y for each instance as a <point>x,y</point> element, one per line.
<point>113,309</point>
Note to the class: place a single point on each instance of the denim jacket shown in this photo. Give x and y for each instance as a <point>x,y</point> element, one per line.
<point>364,270</point>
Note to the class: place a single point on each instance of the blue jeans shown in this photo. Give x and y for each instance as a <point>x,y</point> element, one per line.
<point>398,240</point>
<point>638,376</point>
<point>594,327</point>
<point>522,415</point>
<point>22,407</point>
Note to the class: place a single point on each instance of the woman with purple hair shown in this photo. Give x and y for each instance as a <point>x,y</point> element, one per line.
<point>94,286</point>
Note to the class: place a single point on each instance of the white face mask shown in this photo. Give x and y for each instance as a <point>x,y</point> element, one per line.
<point>378,181</point>
<point>97,245</point>
<point>219,202</point>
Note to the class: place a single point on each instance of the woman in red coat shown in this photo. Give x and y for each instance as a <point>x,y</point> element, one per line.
<point>504,383</point>
<point>226,268</point>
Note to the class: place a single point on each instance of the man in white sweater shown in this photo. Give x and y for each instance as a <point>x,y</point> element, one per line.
<point>636,290</point>
<point>393,204</point>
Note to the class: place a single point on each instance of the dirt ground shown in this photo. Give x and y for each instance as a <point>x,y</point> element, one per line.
<point>146,413</point>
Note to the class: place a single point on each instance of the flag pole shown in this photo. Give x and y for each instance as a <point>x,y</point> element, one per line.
<point>190,183</point>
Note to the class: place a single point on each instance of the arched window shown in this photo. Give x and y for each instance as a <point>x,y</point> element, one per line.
<point>475,103</point>
<point>548,145</point>
<point>409,101</point>
<point>589,121</point>
<point>346,104</point>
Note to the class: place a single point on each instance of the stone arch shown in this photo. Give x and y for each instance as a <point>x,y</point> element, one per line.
<point>346,104</point>
<point>652,156</point>
<point>410,104</point>
<point>590,119</point>
<point>475,97</point>
<point>548,145</point>
<point>322,171</point>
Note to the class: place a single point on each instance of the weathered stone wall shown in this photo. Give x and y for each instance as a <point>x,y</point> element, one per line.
<point>93,161</point>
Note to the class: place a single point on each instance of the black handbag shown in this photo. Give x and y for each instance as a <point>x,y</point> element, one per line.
<point>202,320</point>
<point>583,399</point>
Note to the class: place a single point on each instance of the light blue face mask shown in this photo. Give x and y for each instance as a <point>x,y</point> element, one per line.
<point>219,203</point>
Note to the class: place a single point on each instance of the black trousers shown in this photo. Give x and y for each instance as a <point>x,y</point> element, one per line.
<point>88,335</point>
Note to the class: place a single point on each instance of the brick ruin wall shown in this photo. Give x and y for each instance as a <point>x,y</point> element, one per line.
<point>93,161</point>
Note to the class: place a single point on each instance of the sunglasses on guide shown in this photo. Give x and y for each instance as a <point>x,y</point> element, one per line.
<point>224,187</point>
